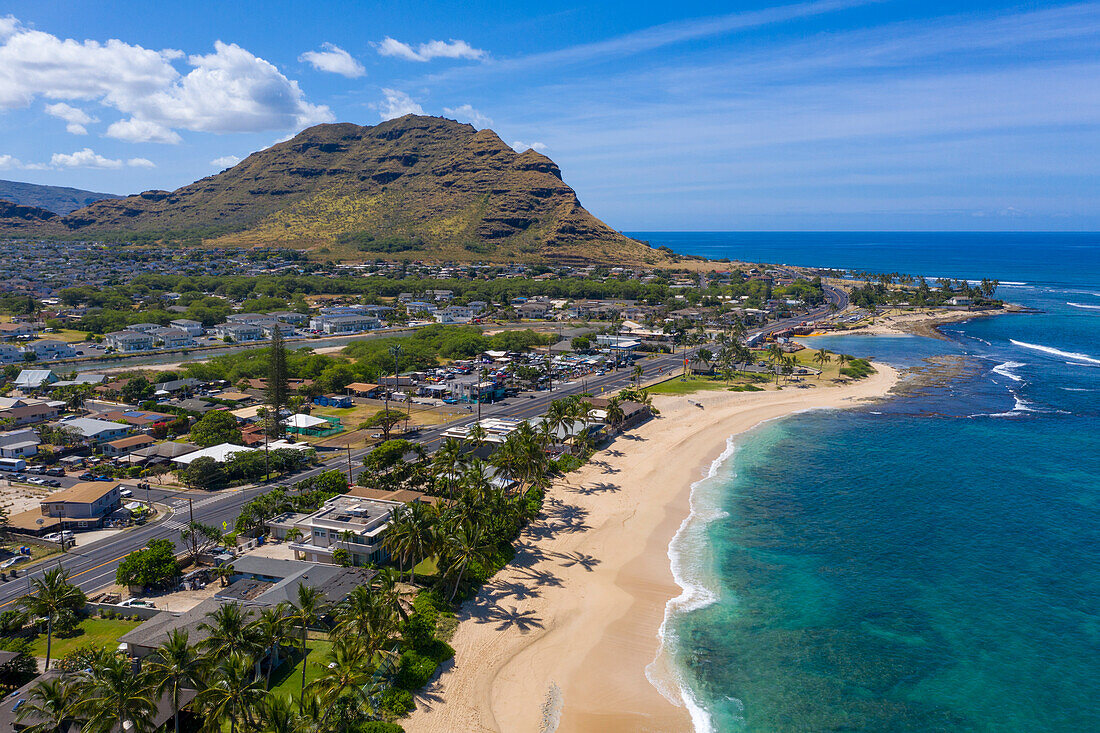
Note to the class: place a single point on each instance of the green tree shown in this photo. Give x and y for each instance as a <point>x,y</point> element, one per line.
<point>384,419</point>
<point>233,695</point>
<point>204,473</point>
<point>137,390</point>
<point>154,566</point>
<point>54,598</point>
<point>215,428</point>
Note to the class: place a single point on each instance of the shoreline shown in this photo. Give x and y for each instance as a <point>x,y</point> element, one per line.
<point>592,579</point>
<point>919,324</point>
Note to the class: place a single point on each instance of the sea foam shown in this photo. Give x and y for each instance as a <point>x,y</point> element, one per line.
<point>1056,352</point>
<point>1005,370</point>
<point>688,543</point>
<point>1085,306</point>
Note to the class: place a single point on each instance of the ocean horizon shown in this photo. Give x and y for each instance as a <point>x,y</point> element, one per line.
<point>928,562</point>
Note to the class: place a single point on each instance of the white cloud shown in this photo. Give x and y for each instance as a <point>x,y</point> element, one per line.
<point>8,161</point>
<point>142,131</point>
<point>86,158</point>
<point>334,60</point>
<point>467,113</point>
<point>229,90</point>
<point>226,161</point>
<point>519,147</point>
<point>397,104</point>
<point>452,49</point>
<point>76,117</point>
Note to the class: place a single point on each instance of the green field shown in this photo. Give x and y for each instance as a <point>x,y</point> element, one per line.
<point>690,385</point>
<point>99,632</point>
<point>287,679</point>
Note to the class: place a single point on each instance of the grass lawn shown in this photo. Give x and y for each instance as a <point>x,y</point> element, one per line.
<point>694,383</point>
<point>287,679</point>
<point>66,334</point>
<point>427,568</point>
<point>100,632</point>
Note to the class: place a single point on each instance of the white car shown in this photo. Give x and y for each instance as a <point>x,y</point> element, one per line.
<point>136,603</point>
<point>126,493</point>
<point>13,561</point>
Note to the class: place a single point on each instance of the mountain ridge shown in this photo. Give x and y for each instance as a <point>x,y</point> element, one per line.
<point>60,200</point>
<point>413,187</point>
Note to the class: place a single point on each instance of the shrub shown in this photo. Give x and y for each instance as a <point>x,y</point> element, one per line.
<point>77,659</point>
<point>397,701</point>
<point>419,630</point>
<point>379,726</point>
<point>416,670</point>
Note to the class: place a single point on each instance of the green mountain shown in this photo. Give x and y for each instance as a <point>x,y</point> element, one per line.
<point>57,199</point>
<point>415,187</point>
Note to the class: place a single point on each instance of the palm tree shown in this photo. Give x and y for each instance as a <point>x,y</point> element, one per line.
<point>278,715</point>
<point>305,611</point>
<point>821,358</point>
<point>174,667</point>
<point>348,673</point>
<point>476,435</point>
<point>272,631</point>
<point>228,630</point>
<point>775,357</point>
<point>52,597</point>
<point>448,461</point>
<point>112,694</point>
<point>233,695</point>
<point>463,545</point>
<point>636,373</point>
<point>50,704</point>
<point>615,414</point>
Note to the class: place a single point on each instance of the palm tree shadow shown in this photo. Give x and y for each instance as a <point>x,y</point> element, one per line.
<point>432,694</point>
<point>513,617</point>
<point>615,453</point>
<point>631,436</point>
<point>599,487</point>
<point>570,559</point>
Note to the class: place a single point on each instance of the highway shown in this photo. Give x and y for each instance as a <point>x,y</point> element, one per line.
<point>93,567</point>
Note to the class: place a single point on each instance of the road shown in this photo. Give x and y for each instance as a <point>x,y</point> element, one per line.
<point>93,567</point>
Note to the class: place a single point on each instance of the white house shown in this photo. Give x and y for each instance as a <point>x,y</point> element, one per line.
<point>95,430</point>
<point>239,332</point>
<point>10,354</point>
<point>192,327</point>
<point>18,444</point>
<point>50,349</point>
<point>129,341</point>
<point>172,338</point>
<point>34,378</point>
<point>219,453</point>
<point>344,324</point>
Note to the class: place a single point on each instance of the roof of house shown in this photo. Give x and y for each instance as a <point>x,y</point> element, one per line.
<point>133,441</point>
<point>166,450</point>
<point>219,453</point>
<point>303,421</point>
<point>85,492</point>
<point>90,426</point>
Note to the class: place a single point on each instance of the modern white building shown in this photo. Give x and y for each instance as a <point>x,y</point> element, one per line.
<point>172,338</point>
<point>344,324</point>
<point>345,522</point>
<point>239,332</point>
<point>50,350</point>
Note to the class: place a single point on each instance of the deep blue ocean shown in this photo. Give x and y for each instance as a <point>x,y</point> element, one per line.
<point>930,563</point>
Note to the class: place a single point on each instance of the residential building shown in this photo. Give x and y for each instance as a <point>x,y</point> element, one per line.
<point>9,331</point>
<point>220,453</point>
<point>30,412</point>
<point>51,350</point>
<point>143,327</point>
<point>125,446</point>
<point>345,522</point>
<point>129,341</point>
<point>172,338</point>
<point>192,327</point>
<point>10,354</point>
<point>94,430</point>
<point>344,324</point>
<point>238,332</point>
<point>34,378</point>
<point>292,317</point>
<point>83,505</point>
<point>18,444</point>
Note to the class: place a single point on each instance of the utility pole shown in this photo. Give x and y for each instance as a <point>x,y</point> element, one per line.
<point>194,539</point>
<point>350,480</point>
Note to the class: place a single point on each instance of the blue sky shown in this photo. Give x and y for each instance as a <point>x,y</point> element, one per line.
<point>841,114</point>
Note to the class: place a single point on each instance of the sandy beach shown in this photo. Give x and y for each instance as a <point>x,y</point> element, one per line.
<point>920,323</point>
<point>560,640</point>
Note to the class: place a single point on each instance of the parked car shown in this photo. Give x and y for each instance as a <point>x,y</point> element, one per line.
<point>137,603</point>
<point>126,493</point>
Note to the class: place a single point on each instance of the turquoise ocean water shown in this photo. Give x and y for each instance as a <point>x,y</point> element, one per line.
<point>924,564</point>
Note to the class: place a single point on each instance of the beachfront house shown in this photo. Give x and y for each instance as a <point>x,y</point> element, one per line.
<point>345,522</point>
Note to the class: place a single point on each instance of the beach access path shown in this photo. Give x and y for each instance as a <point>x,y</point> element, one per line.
<point>561,638</point>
